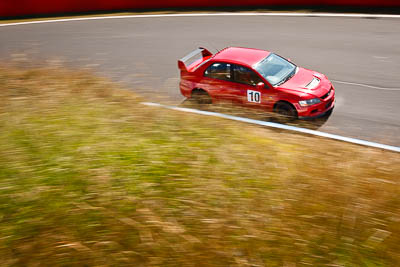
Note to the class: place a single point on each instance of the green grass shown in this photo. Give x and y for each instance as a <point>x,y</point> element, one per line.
<point>89,177</point>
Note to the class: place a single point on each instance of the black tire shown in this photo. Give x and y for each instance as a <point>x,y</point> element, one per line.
<point>201,97</point>
<point>286,112</point>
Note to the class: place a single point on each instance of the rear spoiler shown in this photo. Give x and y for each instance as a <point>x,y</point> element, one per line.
<point>204,53</point>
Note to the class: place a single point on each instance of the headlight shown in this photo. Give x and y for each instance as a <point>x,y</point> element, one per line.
<point>309,102</point>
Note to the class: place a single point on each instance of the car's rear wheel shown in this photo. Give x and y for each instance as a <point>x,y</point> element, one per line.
<point>286,112</point>
<point>201,97</point>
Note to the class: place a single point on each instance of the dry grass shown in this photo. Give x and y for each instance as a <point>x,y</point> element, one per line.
<point>89,177</point>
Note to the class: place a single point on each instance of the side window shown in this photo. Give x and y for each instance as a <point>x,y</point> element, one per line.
<point>220,71</point>
<point>245,75</point>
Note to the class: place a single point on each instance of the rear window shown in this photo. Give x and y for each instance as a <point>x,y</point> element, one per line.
<point>221,71</point>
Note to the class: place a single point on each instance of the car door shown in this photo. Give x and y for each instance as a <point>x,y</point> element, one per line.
<point>246,81</point>
<point>218,82</point>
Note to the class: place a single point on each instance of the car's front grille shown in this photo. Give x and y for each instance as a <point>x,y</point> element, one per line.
<point>328,104</point>
<point>327,94</point>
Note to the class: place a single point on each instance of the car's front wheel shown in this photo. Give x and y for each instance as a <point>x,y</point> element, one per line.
<point>285,111</point>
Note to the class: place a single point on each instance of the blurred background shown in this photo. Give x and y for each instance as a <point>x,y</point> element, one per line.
<point>9,8</point>
<point>91,177</point>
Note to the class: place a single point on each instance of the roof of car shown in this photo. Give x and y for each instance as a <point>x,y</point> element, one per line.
<point>248,56</point>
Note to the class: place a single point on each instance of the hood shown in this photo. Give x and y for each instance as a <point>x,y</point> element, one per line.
<point>307,82</point>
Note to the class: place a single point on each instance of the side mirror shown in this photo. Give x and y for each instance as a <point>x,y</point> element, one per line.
<point>260,86</point>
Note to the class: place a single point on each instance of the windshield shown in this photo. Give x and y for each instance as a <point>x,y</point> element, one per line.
<point>275,69</point>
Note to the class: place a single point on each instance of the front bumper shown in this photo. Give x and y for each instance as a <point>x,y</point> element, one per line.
<point>318,110</point>
<point>317,116</point>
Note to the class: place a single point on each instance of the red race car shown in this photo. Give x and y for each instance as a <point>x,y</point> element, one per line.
<point>255,78</point>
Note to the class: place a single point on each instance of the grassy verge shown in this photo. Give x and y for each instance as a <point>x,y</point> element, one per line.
<point>90,177</point>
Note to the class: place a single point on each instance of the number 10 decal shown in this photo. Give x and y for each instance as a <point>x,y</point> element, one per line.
<point>253,96</point>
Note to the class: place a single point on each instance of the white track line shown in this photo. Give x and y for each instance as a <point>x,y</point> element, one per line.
<point>286,14</point>
<point>369,86</point>
<point>279,126</point>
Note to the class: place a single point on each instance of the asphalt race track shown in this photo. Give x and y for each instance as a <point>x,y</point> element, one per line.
<point>360,55</point>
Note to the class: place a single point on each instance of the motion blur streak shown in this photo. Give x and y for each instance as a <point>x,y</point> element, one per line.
<point>279,126</point>
<point>210,14</point>
<point>32,7</point>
